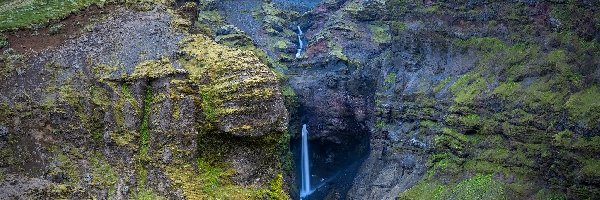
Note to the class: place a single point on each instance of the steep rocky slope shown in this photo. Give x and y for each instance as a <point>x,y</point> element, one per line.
<point>204,99</point>
<point>494,98</point>
<point>465,99</point>
<point>135,106</point>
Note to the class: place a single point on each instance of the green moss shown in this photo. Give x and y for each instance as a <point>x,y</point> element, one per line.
<point>103,174</point>
<point>3,41</point>
<point>353,8</point>
<point>397,8</point>
<point>70,95</point>
<point>496,155</point>
<point>507,90</point>
<point>476,187</point>
<point>208,106</point>
<point>559,61</point>
<point>144,129</point>
<point>442,84</point>
<point>380,124</point>
<point>440,162</point>
<point>455,134</point>
<point>425,190</point>
<point>142,5</point>
<point>429,124</point>
<point>207,181</point>
<point>153,69</point>
<point>21,14</point>
<point>431,9</point>
<point>591,167</point>
<point>281,44</point>
<point>276,188</point>
<point>5,111</point>
<point>569,140</point>
<point>210,17</point>
<point>216,69</point>
<point>484,166</point>
<point>485,44</point>
<point>100,97</point>
<point>479,187</point>
<point>454,143</point>
<point>390,78</point>
<point>542,95</point>
<point>102,72</point>
<point>545,194</point>
<point>380,33</point>
<point>584,106</point>
<point>67,165</point>
<point>563,137</point>
<point>470,121</point>
<point>397,27</point>
<point>147,194</point>
<point>124,137</point>
<point>337,51</point>
<point>100,104</point>
<point>10,63</point>
<point>124,97</point>
<point>290,97</point>
<point>467,88</point>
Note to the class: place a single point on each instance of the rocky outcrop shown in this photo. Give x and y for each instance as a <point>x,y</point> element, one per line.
<point>450,95</point>
<point>404,99</point>
<point>137,107</point>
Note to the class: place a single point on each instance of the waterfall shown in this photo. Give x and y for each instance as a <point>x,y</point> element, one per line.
<point>305,189</point>
<point>300,43</point>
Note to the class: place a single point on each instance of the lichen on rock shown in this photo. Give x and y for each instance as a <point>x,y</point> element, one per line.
<point>240,95</point>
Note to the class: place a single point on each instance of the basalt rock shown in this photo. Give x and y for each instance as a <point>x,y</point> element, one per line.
<point>138,108</point>
<point>405,99</point>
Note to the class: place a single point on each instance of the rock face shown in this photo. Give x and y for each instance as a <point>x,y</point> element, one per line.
<point>137,107</point>
<point>453,96</point>
<point>459,98</point>
<point>405,99</point>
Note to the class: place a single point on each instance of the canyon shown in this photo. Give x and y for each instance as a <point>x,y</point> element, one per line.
<point>299,99</point>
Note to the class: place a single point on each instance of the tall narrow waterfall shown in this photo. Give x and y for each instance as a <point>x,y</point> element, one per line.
<point>305,190</point>
<point>300,43</point>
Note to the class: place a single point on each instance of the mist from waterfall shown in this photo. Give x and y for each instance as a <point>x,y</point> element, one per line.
<point>305,190</point>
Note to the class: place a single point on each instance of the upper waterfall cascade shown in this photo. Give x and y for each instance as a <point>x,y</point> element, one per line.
<point>300,42</point>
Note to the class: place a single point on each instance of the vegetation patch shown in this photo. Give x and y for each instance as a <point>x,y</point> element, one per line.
<point>3,41</point>
<point>22,14</point>
<point>467,88</point>
<point>591,167</point>
<point>103,174</point>
<point>380,33</point>
<point>476,187</point>
<point>144,129</point>
<point>153,69</point>
<point>584,106</point>
<point>206,181</point>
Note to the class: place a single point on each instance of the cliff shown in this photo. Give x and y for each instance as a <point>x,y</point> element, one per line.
<point>405,99</point>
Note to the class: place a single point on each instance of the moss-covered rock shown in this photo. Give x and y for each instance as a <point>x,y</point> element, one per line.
<point>102,123</point>
<point>240,95</point>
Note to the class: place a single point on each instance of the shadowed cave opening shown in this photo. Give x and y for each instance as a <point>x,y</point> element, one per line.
<point>333,163</point>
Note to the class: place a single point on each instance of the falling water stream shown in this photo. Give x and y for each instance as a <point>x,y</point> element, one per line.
<point>300,43</point>
<point>305,190</point>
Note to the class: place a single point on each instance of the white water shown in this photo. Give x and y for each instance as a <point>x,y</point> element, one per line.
<point>305,189</point>
<point>300,43</point>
